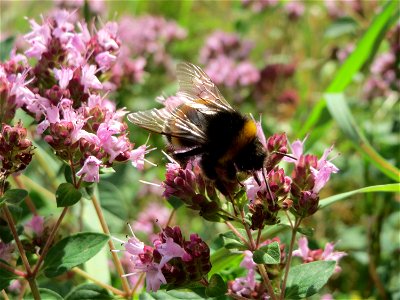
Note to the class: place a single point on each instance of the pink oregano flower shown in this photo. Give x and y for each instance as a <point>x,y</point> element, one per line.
<point>90,169</point>
<point>309,255</point>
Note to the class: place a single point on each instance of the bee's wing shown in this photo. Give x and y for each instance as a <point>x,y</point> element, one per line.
<point>153,120</point>
<point>160,120</point>
<point>194,84</point>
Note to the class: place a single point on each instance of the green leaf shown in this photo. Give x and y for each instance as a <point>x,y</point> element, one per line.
<point>112,200</point>
<point>88,291</point>
<point>13,196</point>
<point>72,251</point>
<point>231,241</point>
<point>6,276</point>
<point>67,195</point>
<point>269,254</point>
<point>306,231</point>
<point>6,47</point>
<point>175,202</point>
<point>341,27</point>
<point>183,294</point>
<point>223,259</point>
<point>363,53</point>
<point>307,279</point>
<point>46,294</point>
<point>340,111</point>
<point>391,188</point>
<point>217,286</point>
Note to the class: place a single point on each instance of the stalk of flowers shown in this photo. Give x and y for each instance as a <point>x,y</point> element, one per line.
<point>226,60</point>
<point>272,84</point>
<point>171,260</point>
<point>384,77</point>
<point>15,151</point>
<point>193,188</point>
<point>250,286</point>
<point>144,40</point>
<point>294,10</point>
<point>12,85</point>
<point>63,91</point>
<point>259,5</point>
<point>309,176</point>
<point>309,255</point>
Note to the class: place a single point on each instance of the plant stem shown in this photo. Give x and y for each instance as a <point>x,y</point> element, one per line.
<point>261,267</point>
<point>249,235</point>
<point>237,233</point>
<point>12,270</point>
<point>34,289</point>
<point>50,240</point>
<point>237,297</point>
<point>28,199</point>
<point>289,259</point>
<point>267,281</point>
<point>4,294</point>
<point>137,285</point>
<point>98,282</point>
<point>258,237</point>
<point>170,217</point>
<point>21,250</point>
<point>115,257</point>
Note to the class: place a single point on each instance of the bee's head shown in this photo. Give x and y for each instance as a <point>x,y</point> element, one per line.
<point>251,157</point>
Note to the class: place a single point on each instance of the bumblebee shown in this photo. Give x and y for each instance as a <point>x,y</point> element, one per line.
<point>205,125</point>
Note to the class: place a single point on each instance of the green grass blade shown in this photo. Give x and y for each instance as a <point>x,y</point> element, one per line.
<point>388,188</point>
<point>363,53</point>
<point>340,111</point>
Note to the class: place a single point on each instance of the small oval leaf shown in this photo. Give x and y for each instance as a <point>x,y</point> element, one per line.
<point>13,196</point>
<point>88,291</point>
<point>269,254</point>
<point>307,279</point>
<point>67,195</point>
<point>217,286</point>
<point>72,251</point>
<point>6,276</point>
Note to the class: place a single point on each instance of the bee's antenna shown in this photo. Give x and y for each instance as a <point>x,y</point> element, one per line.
<point>284,154</point>
<point>267,184</point>
<point>255,176</point>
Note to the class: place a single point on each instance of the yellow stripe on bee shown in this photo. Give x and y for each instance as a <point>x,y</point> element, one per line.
<point>245,136</point>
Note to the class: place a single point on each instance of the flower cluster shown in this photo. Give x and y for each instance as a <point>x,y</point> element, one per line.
<point>15,150</point>
<point>271,85</point>
<point>309,255</point>
<point>226,58</point>
<point>189,185</point>
<point>259,5</point>
<point>294,9</point>
<point>143,39</point>
<point>63,91</point>
<point>384,69</point>
<point>171,260</point>
<point>247,286</point>
<point>309,176</point>
<point>337,9</point>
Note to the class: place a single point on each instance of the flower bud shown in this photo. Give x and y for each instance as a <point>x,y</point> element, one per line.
<point>276,148</point>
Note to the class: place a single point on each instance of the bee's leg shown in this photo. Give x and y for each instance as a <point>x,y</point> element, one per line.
<point>182,156</point>
<point>208,165</point>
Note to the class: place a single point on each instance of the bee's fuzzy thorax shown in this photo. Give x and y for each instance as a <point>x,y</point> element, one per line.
<point>246,134</point>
